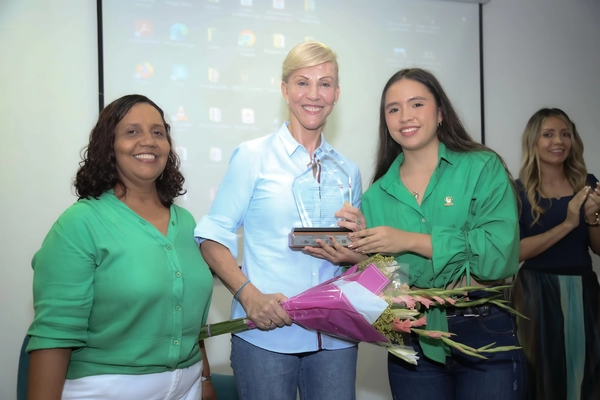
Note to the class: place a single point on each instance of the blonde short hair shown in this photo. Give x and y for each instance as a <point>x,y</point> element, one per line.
<point>308,54</point>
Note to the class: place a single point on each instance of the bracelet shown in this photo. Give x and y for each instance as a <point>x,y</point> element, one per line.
<point>205,378</point>
<point>237,294</point>
<point>595,223</point>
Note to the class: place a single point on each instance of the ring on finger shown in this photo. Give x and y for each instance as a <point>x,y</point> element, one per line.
<point>357,221</point>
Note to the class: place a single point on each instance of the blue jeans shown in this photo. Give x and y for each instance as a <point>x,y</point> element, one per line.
<point>320,375</point>
<point>501,377</point>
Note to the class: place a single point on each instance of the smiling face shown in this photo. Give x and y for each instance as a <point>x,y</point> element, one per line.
<point>141,146</point>
<point>311,93</point>
<point>411,115</point>
<point>554,141</point>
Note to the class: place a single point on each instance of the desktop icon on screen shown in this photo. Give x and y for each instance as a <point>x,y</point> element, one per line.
<point>179,72</point>
<point>279,4</point>
<point>309,5</point>
<point>210,34</point>
<point>400,51</point>
<point>181,115</point>
<point>143,28</point>
<point>213,75</point>
<point>216,154</point>
<point>247,116</point>
<point>214,114</point>
<point>246,38</point>
<point>143,71</point>
<point>278,40</point>
<point>179,32</point>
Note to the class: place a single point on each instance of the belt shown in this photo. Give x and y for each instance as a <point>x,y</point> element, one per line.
<point>468,311</point>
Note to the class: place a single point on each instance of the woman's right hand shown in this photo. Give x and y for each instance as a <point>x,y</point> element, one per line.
<point>264,309</point>
<point>574,207</point>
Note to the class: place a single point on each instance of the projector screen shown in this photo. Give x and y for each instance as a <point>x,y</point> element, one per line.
<point>214,66</point>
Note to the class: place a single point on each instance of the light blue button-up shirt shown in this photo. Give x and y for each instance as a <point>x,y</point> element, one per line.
<point>256,193</point>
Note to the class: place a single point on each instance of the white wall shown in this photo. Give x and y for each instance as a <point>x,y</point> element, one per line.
<point>541,53</point>
<point>537,53</point>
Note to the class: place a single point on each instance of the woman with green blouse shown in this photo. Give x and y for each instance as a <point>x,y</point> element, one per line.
<point>120,289</point>
<point>446,207</point>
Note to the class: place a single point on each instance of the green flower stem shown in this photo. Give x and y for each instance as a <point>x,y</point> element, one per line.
<point>220,328</point>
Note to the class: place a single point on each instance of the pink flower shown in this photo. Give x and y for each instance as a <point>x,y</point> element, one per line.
<point>438,299</point>
<point>401,325</point>
<point>437,334</point>
<point>424,300</point>
<point>420,322</point>
<point>405,299</point>
<point>450,300</point>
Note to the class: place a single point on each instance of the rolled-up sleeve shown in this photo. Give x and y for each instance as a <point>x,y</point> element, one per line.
<point>231,202</point>
<point>487,246</point>
<point>63,284</point>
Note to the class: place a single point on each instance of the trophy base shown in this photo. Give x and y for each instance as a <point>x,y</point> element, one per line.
<point>301,237</point>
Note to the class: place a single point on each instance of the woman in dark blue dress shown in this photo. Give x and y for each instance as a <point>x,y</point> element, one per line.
<point>556,286</point>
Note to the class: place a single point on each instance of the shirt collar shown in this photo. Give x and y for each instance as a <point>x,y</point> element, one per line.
<point>446,154</point>
<point>291,145</point>
<point>391,176</point>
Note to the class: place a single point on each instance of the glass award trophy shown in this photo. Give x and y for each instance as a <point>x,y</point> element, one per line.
<point>319,192</point>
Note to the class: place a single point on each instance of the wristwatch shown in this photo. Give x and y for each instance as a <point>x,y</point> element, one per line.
<point>205,378</point>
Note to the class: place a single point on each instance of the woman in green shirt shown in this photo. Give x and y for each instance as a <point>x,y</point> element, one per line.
<point>120,288</point>
<point>446,207</point>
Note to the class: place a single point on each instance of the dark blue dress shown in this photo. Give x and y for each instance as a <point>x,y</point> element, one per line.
<point>559,292</point>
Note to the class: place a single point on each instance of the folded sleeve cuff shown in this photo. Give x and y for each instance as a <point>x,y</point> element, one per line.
<point>211,228</point>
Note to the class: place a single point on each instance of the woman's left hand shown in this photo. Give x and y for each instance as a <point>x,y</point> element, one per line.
<point>351,218</point>
<point>381,239</point>
<point>208,391</point>
<point>592,203</point>
<point>335,254</point>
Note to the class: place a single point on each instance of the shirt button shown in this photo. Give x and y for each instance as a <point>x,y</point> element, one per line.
<point>178,274</point>
<point>176,342</point>
<point>178,308</point>
<point>169,246</point>
<point>423,220</point>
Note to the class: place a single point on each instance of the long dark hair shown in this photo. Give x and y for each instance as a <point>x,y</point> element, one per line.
<point>97,171</point>
<point>451,132</point>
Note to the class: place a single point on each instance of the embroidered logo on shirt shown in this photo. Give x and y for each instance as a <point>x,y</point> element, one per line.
<point>448,201</point>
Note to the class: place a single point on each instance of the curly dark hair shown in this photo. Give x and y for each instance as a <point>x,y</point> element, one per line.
<point>97,171</point>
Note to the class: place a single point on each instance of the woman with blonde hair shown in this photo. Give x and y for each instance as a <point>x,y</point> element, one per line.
<point>279,359</point>
<point>556,286</point>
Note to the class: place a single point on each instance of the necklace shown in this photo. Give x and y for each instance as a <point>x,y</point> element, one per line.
<point>413,192</point>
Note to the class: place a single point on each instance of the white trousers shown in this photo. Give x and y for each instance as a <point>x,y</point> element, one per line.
<point>181,384</point>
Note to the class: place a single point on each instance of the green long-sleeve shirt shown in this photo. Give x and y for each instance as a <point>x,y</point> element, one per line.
<point>126,298</point>
<point>470,210</point>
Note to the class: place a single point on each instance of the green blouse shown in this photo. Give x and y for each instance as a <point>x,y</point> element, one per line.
<point>125,297</point>
<point>470,210</point>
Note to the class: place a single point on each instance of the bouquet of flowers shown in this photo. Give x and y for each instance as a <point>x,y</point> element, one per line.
<point>371,302</point>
